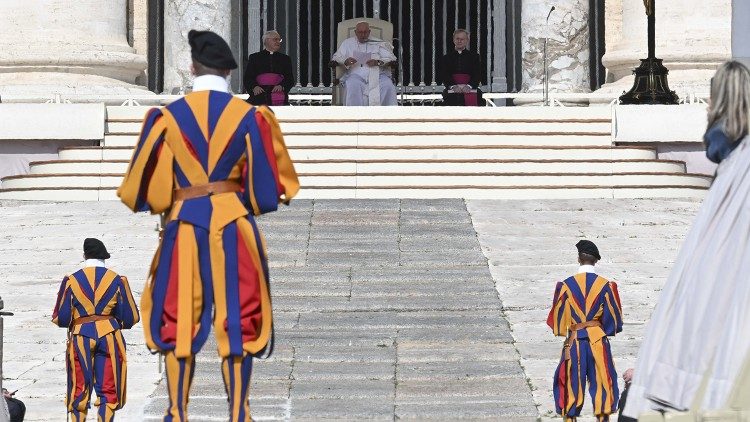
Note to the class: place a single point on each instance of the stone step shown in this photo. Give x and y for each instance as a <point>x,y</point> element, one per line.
<point>445,152</point>
<point>405,180</point>
<point>489,192</point>
<point>402,166</point>
<point>429,139</point>
<point>414,114</point>
<point>410,128</point>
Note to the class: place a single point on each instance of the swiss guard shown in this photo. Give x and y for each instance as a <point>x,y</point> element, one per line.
<point>95,304</point>
<point>585,310</point>
<point>209,162</point>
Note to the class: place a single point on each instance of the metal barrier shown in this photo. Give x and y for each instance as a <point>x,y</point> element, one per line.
<point>493,99</point>
<point>423,30</point>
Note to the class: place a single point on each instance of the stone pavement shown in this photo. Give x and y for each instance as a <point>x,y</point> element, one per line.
<point>530,246</point>
<point>384,308</point>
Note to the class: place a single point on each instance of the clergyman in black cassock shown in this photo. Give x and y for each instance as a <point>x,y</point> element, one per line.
<point>268,76</point>
<point>461,73</point>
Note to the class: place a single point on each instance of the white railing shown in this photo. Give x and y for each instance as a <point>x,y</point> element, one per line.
<point>493,99</point>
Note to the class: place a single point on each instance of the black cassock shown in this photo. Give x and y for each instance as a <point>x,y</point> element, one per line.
<point>463,68</point>
<point>261,64</point>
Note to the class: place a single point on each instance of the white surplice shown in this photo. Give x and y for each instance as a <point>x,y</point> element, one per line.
<point>363,84</point>
<point>698,332</point>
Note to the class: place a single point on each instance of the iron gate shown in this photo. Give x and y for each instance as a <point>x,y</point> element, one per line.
<point>423,28</point>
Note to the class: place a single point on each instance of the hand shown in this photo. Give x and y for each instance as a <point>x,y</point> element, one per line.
<point>350,61</point>
<point>277,88</point>
<point>628,376</point>
<point>373,62</point>
<point>258,90</point>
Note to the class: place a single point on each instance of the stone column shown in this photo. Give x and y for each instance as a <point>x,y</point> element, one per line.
<point>66,47</point>
<point>180,16</point>
<point>692,37</point>
<point>612,25</point>
<point>567,48</point>
<point>498,79</point>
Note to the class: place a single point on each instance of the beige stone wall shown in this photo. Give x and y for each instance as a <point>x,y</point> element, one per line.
<point>612,25</point>
<point>138,30</point>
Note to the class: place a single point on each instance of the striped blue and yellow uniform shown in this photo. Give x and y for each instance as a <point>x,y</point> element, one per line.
<point>96,350</point>
<point>582,298</point>
<point>210,268</point>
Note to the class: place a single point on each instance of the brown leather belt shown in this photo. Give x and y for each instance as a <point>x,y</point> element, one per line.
<point>90,318</point>
<point>582,325</point>
<point>207,189</point>
<point>572,329</point>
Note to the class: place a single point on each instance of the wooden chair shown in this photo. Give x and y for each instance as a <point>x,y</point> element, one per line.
<point>378,29</point>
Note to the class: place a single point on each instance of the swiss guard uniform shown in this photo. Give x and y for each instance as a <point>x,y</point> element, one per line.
<point>586,309</point>
<point>211,162</point>
<point>94,304</point>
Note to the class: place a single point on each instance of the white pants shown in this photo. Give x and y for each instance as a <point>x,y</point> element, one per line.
<point>355,88</point>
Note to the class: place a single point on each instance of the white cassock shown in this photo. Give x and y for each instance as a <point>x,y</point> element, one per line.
<point>698,334</point>
<point>363,84</point>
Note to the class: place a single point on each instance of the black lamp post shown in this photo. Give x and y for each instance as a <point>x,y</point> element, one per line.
<point>650,85</point>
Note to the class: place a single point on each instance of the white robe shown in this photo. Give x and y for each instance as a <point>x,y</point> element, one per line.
<point>363,84</point>
<point>698,332</point>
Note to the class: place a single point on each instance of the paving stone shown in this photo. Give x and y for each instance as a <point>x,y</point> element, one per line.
<point>530,246</point>
<point>351,408</point>
<point>376,389</point>
<point>467,409</point>
<point>438,371</point>
<point>345,353</point>
<point>413,351</point>
<point>448,296</point>
<point>344,370</point>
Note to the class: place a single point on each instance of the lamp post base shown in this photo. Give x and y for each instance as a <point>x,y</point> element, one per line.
<point>650,85</point>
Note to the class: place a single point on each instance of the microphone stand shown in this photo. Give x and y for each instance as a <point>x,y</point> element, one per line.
<point>545,87</point>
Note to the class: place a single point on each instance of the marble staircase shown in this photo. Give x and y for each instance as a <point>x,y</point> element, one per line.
<point>410,152</point>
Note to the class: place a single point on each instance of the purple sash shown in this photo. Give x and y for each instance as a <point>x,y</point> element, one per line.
<point>272,79</point>
<point>461,78</point>
<point>470,98</point>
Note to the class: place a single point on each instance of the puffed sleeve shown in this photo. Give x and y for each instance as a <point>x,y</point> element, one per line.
<point>559,318</point>
<point>126,310</point>
<point>149,180</point>
<point>63,313</point>
<point>611,310</point>
<point>269,176</point>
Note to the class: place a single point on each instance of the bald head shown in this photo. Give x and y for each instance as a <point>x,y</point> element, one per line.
<point>362,31</point>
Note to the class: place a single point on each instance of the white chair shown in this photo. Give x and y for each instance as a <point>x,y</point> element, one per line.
<point>378,29</point>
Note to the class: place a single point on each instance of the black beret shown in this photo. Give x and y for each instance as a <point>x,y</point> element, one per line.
<point>589,248</point>
<point>209,49</point>
<point>94,249</point>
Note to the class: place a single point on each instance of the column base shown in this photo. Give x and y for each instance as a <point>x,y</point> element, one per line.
<point>42,86</point>
<point>684,82</point>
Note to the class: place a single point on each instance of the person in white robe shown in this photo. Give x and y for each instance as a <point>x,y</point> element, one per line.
<point>367,60</point>
<point>695,349</point>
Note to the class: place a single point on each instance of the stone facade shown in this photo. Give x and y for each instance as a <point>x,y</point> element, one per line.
<point>692,37</point>
<point>138,31</point>
<point>96,47</point>
<point>58,46</point>
<point>612,27</point>
<point>567,46</point>
<point>180,16</point>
